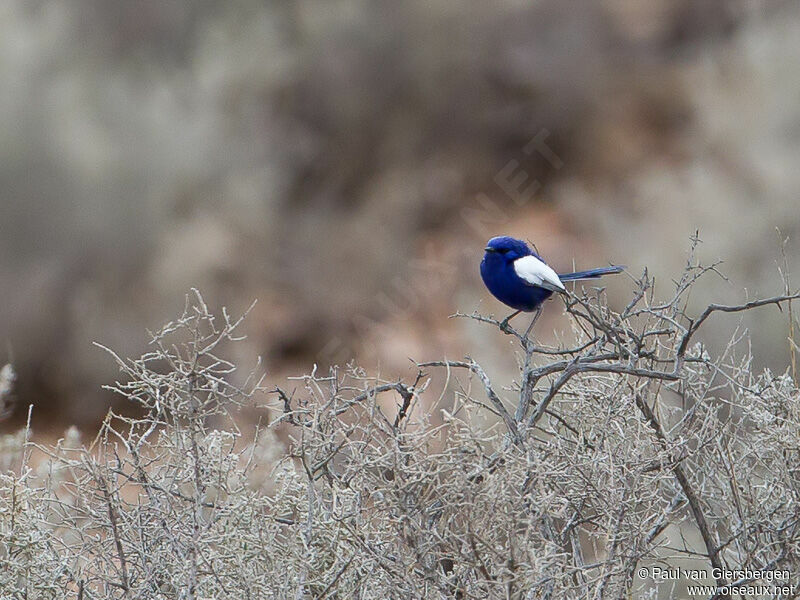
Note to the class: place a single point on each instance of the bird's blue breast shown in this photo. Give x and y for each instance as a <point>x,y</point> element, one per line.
<point>502,281</point>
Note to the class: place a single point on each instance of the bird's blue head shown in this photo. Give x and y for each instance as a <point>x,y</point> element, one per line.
<point>506,248</point>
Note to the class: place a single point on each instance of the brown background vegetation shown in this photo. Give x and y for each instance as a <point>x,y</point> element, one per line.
<point>338,161</point>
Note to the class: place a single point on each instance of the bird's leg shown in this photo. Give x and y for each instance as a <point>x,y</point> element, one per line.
<point>504,322</point>
<point>536,316</point>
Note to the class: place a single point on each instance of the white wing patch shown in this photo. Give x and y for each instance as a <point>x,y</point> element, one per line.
<point>534,272</point>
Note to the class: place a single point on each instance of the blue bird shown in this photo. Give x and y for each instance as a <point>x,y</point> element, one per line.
<point>520,278</point>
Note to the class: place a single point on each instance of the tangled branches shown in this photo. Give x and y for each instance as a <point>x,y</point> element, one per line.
<point>626,447</point>
<point>631,446</point>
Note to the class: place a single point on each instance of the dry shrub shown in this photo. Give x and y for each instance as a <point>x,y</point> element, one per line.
<point>626,447</point>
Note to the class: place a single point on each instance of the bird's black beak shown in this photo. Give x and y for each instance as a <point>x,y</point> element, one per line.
<point>490,249</point>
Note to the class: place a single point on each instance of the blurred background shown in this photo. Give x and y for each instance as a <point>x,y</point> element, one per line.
<point>344,161</point>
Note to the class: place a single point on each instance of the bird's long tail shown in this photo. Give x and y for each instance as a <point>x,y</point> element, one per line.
<point>591,273</point>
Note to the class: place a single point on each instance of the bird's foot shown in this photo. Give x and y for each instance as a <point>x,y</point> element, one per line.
<point>504,323</point>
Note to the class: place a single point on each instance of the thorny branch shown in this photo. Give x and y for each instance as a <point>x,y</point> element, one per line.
<point>653,349</point>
